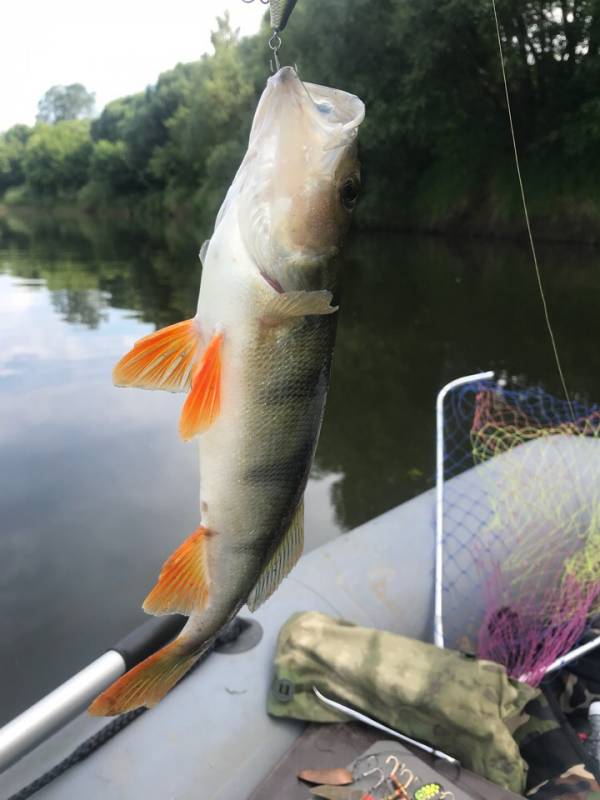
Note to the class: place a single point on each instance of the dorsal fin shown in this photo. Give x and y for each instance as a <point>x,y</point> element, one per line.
<point>281,562</point>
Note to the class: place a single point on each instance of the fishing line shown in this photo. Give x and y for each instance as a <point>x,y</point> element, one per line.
<point>526,213</point>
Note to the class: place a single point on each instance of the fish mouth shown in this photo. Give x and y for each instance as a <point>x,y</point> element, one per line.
<point>336,113</point>
<point>339,113</point>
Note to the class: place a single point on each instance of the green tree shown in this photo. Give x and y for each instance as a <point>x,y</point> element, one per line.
<point>114,119</point>
<point>12,151</point>
<point>208,133</point>
<point>141,122</point>
<point>109,167</point>
<point>57,157</point>
<point>62,103</point>
<point>435,147</point>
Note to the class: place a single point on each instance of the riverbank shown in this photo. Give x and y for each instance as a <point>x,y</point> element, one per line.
<point>435,146</point>
<point>572,223</point>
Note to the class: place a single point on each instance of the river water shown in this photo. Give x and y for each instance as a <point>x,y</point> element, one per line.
<point>96,489</point>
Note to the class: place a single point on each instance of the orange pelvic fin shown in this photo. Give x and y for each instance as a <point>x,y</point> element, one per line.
<point>183,583</point>
<point>145,684</point>
<point>162,360</point>
<point>203,403</point>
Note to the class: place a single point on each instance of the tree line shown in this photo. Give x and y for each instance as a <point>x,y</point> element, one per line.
<point>435,146</point>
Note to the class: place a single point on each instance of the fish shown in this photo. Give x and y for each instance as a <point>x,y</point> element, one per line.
<point>255,363</point>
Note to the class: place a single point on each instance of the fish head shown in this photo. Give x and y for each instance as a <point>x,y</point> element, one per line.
<point>301,177</point>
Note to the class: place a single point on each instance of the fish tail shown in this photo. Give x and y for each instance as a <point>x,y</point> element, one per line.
<point>183,586</point>
<point>149,681</point>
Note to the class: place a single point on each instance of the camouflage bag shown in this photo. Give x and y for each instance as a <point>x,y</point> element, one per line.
<point>455,703</point>
<point>549,739</point>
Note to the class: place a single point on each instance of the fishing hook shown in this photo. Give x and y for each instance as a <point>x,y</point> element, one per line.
<point>401,788</point>
<point>396,768</point>
<point>411,778</point>
<point>371,771</point>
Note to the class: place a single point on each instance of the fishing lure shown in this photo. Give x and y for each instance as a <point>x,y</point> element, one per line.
<point>432,791</point>
<point>281,11</point>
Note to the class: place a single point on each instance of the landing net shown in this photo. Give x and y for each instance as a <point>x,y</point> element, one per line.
<point>521,530</point>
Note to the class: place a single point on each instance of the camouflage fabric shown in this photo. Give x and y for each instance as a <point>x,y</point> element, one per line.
<point>542,741</point>
<point>550,745</point>
<point>574,784</point>
<point>577,694</point>
<point>458,704</point>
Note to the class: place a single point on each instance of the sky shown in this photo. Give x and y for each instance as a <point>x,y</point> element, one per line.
<point>113,47</point>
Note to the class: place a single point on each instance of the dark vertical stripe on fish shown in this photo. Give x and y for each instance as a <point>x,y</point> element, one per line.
<point>295,388</point>
<point>287,470</point>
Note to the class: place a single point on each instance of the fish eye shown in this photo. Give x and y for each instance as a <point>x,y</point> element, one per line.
<point>349,192</point>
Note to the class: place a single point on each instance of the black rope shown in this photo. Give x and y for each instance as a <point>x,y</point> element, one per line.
<point>229,634</point>
<point>80,753</point>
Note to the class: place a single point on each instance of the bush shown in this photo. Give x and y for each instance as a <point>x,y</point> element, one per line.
<point>57,158</point>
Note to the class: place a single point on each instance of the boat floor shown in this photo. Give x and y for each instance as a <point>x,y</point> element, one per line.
<point>329,746</point>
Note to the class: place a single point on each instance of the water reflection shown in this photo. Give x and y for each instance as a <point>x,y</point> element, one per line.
<point>96,487</point>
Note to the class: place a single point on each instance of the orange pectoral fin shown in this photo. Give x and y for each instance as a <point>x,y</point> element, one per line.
<point>203,403</point>
<point>162,360</point>
<point>183,583</point>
